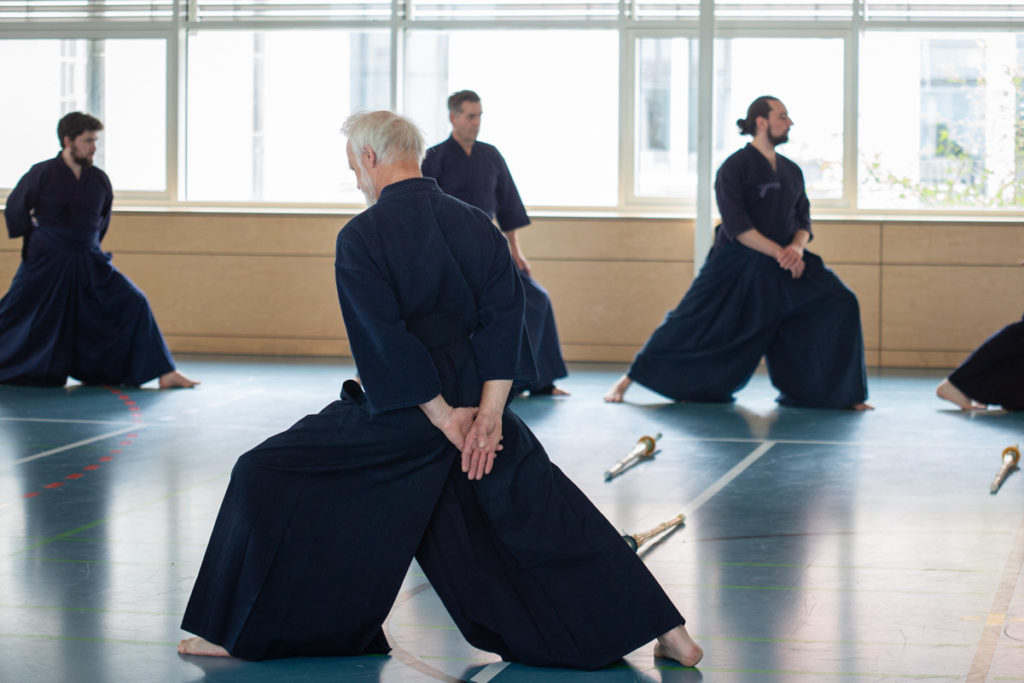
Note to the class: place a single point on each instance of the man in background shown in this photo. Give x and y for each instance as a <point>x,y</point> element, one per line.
<point>69,311</point>
<point>476,173</point>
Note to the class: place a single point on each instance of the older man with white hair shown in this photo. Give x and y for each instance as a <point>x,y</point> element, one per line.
<point>320,523</point>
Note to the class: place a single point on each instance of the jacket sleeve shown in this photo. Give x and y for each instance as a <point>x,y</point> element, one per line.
<point>20,204</point>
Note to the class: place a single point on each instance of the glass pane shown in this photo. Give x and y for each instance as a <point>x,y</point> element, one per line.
<point>121,82</point>
<point>666,118</point>
<point>946,131</point>
<point>806,75</point>
<point>552,110</point>
<point>265,109</point>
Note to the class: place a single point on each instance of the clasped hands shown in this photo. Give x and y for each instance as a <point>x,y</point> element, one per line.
<point>791,258</point>
<point>477,433</point>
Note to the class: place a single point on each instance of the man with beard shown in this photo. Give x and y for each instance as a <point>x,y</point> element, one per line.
<point>759,294</point>
<point>69,312</point>
<point>476,173</point>
<point>320,523</point>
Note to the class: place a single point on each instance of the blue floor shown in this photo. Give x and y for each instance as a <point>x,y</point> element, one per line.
<point>818,545</point>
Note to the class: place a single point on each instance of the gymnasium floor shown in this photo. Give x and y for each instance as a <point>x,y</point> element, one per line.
<point>819,545</point>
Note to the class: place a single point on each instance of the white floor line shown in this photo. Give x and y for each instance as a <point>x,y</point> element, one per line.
<point>62,421</point>
<point>724,480</point>
<point>488,672</point>
<point>70,446</point>
<point>917,444</point>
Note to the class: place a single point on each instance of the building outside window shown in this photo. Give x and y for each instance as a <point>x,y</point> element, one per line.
<point>942,129</point>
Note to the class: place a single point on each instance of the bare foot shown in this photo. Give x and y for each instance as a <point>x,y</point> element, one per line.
<point>201,646</point>
<point>946,390</point>
<point>618,390</point>
<point>862,406</point>
<point>678,645</point>
<point>176,380</point>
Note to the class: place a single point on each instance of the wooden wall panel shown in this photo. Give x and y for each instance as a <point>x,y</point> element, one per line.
<point>863,281</point>
<point>947,308</point>
<point>286,297</point>
<point>238,282</point>
<point>944,243</point>
<point>611,303</point>
<point>846,242</point>
<point>262,346</point>
<point>10,258</point>
<point>609,240</point>
<point>212,233</point>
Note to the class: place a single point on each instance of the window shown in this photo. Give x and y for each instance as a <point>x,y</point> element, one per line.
<point>666,118</point>
<point>550,102</point>
<point>121,82</point>
<point>592,102</point>
<point>947,131</point>
<point>806,75</point>
<point>265,109</point>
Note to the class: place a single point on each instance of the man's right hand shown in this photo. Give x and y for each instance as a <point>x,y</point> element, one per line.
<point>791,258</point>
<point>483,441</point>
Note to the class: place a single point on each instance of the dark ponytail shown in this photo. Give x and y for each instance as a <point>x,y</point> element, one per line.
<point>760,107</point>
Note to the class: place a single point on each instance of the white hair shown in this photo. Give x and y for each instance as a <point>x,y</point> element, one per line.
<point>392,138</point>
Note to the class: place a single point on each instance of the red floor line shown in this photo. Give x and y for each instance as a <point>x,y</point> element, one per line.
<point>136,414</point>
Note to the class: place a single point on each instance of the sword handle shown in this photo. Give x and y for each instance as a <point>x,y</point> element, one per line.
<point>644,448</point>
<point>644,536</point>
<point>1011,456</point>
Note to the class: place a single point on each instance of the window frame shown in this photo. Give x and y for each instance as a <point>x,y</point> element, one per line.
<point>631,29</point>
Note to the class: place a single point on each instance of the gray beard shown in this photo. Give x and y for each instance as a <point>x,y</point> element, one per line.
<point>369,191</point>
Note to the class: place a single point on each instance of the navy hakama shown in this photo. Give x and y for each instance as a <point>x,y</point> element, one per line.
<point>994,373</point>
<point>69,312</point>
<point>482,179</point>
<point>742,306</point>
<point>320,523</point>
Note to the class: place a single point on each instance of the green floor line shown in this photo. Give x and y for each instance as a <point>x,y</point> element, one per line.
<point>813,589</point>
<point>440,627</point>
<point>782,565</point>
<point>104,520</point>
<point>92,610</point>
<point>800,641</point>
<point>112,541</point>
<point>118,563</point>
<point>823,675</point>
<point>78,639</point>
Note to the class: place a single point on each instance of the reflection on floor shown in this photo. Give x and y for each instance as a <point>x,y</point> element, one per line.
<point>818,544</point>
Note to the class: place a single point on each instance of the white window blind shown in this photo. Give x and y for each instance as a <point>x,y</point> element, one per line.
<point>496,10</point>
<point>943,10</point>
<point>666,9</point>
<point>784,10</point>
<point>291,10</point>
<point>78,10</point>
